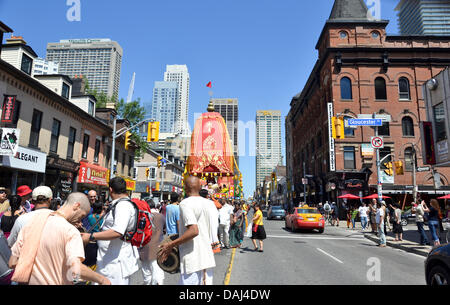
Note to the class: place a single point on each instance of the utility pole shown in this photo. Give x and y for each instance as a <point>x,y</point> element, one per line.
<point>113,149</point>
<point>304,184</point>
<point>379,184</point>
<point>414,174</point>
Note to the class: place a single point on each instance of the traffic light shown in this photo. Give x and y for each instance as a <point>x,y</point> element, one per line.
<point>389,170</point>
<point>127,140</point>
<point>159,161</point>
<point>399,170</point>
<point>153,132</point>
<point>338,128</point>
<point>147,172</point>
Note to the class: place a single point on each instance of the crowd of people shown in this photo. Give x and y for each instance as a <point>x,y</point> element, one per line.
<point>81,240</point>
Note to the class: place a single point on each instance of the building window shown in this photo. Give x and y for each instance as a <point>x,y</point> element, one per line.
<point>343,34</point>
<point>349,157</point>
<point>439,120</point>
<point>407,127</point>
<point>84,153</point>
<point>72,137</point>
<point>108,157</point>
<point>384,129</point>
<point>65,91</point>
<point>346,88</point>
<point>380,89</point>
<point>56,128</point>
<point>35,128</point>
<point>403,89</point>
<point>409,159</point>
<point>130,166</point>
<point>348,131</point>
<point>97,150</point>
<point>124,158</point>
<point>27,64</point>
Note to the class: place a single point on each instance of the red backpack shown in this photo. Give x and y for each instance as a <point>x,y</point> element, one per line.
<point>142,232</point>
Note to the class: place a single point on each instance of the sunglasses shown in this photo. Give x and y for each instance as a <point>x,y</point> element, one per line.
<point>2,192</point>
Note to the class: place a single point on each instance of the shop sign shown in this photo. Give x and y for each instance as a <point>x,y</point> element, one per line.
<point>9,109</point>
<point>92,174</point>
<point>9,141</point>
<point>66,182</point>
<point>331,139</point>
<point>27,159</point>
<point>366,150</point>
<point>62,164</point>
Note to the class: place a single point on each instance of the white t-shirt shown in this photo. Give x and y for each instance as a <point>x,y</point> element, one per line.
<point>363,211</point>
<point>117,258</point>
<point>197,254</point>
<point>380,216</point>
<point>214,221</point>
<point>225,214</point>
<point>19,224</point>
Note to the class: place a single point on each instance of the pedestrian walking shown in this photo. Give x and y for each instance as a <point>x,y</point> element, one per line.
<point>25,192</point>
<point>236,227</point>
<point>117,259</point>
<point>418,209</point>
<point>433,220</point>
<point>153,274</point>
<point>93,199</point>
<point>41,199</point>
<point>173,214</point>
<point>379,218</point>
<point>397,223</point>
<point>349,212</point>
<point>354,215</point>
<point>196,255</point>
<point>224,224</point>
<point>4,202</point>
<point>8,218</point>
<point>258,231</point>
<point>49,249</point>
<point>335,214</point>
<point>372,216</point>
<point>363,214</point>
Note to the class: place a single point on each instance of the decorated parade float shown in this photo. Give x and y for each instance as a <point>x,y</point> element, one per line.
<point>211,157</point>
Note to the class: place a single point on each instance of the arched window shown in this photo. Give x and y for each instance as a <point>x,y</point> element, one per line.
<point>403,89</point>
<point>408,127</point>
<point>346,88</point>
<point>380,89</point>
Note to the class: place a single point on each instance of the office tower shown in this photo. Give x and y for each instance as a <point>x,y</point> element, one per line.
<point>99,60</point>
<point>229,110</point>
<point>163,109</point>
<point>180,74</point>
<point>424,17</point>
<point>42,67</point>
<point>268,143</point>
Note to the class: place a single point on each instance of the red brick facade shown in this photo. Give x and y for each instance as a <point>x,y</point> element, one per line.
<point>364,53</point>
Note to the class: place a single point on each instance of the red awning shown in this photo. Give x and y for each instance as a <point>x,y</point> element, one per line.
<point>92,174</point>
<point>349,196</point>
<point>375,196</point>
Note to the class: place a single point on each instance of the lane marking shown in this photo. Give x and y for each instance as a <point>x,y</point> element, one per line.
<point>226,282</point>
<point>339,261</point>
<point>319,238</point>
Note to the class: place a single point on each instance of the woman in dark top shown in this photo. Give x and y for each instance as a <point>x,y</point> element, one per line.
<point>433,220</point>
<point>9,217</point>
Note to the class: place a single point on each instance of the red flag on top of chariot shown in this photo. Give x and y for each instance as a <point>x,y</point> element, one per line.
<point>209,85</point>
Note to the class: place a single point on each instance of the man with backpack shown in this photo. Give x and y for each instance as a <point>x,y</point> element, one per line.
<point>117,259</point>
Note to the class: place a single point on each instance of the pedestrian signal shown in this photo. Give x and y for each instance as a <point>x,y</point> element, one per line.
<point>153,132</point>
<point>338,128</point>
<point>127,140</point>
<point>399,170</point>
<point>389,169</point>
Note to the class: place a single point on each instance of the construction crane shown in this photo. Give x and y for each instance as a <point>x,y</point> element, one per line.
<point>131,90</point>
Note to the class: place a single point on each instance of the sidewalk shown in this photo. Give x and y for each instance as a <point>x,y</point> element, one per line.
<point>410,243</point>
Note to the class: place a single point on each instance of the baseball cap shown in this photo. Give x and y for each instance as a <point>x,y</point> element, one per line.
<point>44,191</point>
<point>24,190</point>
<point>383,202</point>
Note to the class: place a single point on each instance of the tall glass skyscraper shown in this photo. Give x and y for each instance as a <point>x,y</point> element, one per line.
<point>180,74</point>
<point>424,17</point>
<point>164,105</point>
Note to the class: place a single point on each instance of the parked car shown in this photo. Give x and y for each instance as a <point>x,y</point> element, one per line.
<point>276,212</point>
<point>437,266</point>
<point>305,217</point>
<point>409,217</point>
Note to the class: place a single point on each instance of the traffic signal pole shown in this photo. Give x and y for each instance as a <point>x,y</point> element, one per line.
<point>379,184</point>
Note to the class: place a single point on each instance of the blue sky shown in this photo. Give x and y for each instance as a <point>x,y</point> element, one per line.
<point>259,51</point>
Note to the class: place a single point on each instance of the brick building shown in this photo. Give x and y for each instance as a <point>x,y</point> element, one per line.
<point>362,70</point>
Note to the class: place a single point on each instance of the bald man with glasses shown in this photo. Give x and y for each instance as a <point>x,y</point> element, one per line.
<point>93,198</point>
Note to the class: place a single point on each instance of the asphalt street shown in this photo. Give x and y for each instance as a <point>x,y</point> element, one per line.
<point>336,257</point>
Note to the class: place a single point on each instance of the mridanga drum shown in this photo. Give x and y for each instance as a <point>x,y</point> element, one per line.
<point>172,263</point>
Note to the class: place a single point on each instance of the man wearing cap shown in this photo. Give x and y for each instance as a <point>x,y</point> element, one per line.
<point>24,191</point>
<point>41,198</point>
<point>4,202</point>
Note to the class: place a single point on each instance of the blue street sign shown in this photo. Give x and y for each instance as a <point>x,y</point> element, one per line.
<point>364,122</point>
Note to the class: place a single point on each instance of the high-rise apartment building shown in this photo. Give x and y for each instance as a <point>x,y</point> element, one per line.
<point>43,67</point>
<point>164,105</point>
<point>268,143</point>
<point>99,60</point>
<point>424,17</point>
<point>229,110</point>
<point>180,74</point>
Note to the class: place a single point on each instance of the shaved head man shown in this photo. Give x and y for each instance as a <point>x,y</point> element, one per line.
<point>75,208</point>
<point>92,195</point>
<point>193,186</point>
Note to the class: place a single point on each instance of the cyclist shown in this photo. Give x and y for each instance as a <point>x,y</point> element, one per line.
<point>327,210</point>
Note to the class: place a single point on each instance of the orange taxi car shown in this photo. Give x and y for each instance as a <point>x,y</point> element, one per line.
<point>305,217</point>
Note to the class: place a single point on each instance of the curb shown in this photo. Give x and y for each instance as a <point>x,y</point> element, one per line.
<point>412,248</point>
